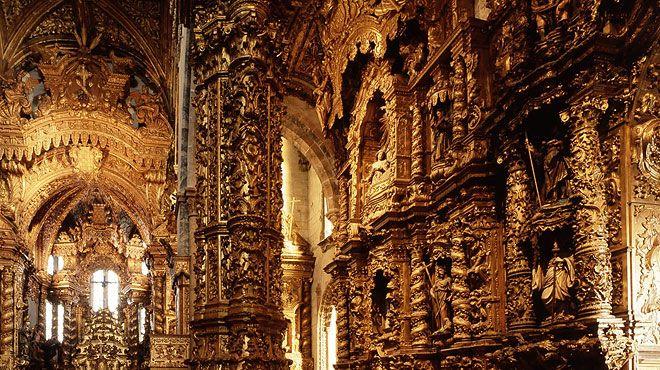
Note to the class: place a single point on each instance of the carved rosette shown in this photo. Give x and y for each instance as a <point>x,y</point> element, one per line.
<point>592,254</point>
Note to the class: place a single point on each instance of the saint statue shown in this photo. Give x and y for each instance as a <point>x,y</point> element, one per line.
<point>440,294</point>
<point>379,167</point>
<point>440,137</point>
<point>556,171</point>
<point>555,283</point>
<point>323,103</point>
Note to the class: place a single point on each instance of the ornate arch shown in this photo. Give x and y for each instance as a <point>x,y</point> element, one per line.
<point>32,16</point>
<point>396,124</point>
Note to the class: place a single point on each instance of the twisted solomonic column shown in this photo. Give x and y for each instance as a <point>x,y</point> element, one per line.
<point>592,253</point>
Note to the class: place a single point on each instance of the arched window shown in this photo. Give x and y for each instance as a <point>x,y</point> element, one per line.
<point>55,264</point>
<point>142,323</point>
<point>54,321</point>
<point>327,224</point>
<point>144,268</point>
<point>105,291</point>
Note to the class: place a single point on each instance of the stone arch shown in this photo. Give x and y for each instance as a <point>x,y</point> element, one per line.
<point>301,127</point>
<point>59,204</point>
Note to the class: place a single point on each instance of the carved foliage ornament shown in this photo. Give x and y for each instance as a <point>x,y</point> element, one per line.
<point>649,149</point>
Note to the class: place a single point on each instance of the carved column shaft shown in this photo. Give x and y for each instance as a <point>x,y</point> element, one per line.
<point>343,323</point>
<point>460,290</point>
<point>518,272</point>
<point>420,306</point>
<point>592,254</point>
<point>132,331</point>
<point>158,299</point>
<point>306,325</point>
<point>70,334</point>
<point>418,146</point>
<point>8,312</point>
<point>458,84</point>
<point>237,269</point>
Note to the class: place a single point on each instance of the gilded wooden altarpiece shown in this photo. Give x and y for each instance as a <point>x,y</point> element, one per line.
<point>495,165</point>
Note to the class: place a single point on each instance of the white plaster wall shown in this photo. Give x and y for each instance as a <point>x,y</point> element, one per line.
<point>295,188</point>
<point>306,188</point>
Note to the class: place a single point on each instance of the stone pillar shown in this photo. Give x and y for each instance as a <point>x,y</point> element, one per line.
<point>592,254</point>
<point>519,308</point>
<point>237,270</point>
<point>136,294</point>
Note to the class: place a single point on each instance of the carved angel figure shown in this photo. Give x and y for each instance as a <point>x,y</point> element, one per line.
<point>555,283</point>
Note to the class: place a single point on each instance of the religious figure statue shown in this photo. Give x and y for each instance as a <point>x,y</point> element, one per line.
<point>555,283</point>
<point>544,17</point>
<point>323,103</point>
<point>379,167</point>
<point>413,56</point>
<point>440,136</point>
<point>440,295</point>
<point>652,264</point>
<point>556,171</point>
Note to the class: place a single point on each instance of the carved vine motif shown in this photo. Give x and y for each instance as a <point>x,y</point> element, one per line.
<point>518,211</point>
<point>593,256</point>
<point>647,249</point>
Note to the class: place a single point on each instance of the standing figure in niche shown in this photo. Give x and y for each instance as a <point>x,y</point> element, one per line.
<point>440,136</point>
<point>555,167</point>
<point>554,285</point>
<point>440,294</point>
